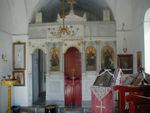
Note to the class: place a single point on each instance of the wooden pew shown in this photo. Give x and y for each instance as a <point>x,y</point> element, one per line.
<point>132,90</point>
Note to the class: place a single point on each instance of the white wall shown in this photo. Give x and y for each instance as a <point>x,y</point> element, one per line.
<point>139,9</point>
<point>20,93</point>
<point>5,68</point>
<point>130,12</point>
<point>5,17</point>
<point>19,16</point>
<point>14,18</point>
<point>147,40</point>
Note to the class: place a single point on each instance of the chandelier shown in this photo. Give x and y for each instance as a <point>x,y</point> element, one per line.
<point>63,29</point>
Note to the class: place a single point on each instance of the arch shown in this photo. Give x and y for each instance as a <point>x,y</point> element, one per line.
<point>72,47</point>
<point>147,15</point>
<point>147,40</point>
<point>73,77</point>
<point>42,49</point>
<point>38,76</point>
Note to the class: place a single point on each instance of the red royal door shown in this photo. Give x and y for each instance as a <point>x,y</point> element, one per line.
<point>73,77</point>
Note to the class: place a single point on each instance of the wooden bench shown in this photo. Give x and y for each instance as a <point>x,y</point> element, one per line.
<point>137,98</point>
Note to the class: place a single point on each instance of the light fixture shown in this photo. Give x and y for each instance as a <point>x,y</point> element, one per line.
<point>4,58</point>
<point>64,30</point>
<point>124,39</point>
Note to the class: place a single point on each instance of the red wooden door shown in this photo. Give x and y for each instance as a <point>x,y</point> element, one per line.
<point>73,77</point>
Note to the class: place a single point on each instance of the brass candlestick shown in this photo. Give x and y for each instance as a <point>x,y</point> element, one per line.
<point>9,82</point>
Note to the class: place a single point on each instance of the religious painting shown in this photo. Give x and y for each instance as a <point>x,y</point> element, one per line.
<point>139,60</point>
<point>19,75</point>
<point>125,62</point>
<point>107,58</point>
<point>54,59</point>
<point>90,58</point>
<point>19,56</point>
<point>106,15</point>
<point>103,80</point>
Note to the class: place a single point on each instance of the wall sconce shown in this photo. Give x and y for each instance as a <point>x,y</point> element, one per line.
<point>124,43</point>
<point>4,58</point>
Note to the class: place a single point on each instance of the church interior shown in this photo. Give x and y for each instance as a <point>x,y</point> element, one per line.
<point>74,56</point>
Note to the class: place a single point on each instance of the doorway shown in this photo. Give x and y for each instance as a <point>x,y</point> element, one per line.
<point>73,94</point>
<point>38,77</point>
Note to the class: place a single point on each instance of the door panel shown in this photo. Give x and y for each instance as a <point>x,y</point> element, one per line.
<point>73,77</point>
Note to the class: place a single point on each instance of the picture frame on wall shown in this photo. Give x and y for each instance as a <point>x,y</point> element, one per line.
<point>139,60</point>
<point>19,75</point>
<point>90,57</point>
<point>54,59</point>
<point>19,55</point>
<point>125,62</point>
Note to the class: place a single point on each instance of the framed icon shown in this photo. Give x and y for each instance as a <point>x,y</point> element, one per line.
<point>125,62</point>
<point>139,60</point>
<point>19,75</point>
<point>19,56</point>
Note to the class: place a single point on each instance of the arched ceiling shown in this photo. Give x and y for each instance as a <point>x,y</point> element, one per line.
<point>93,9</point>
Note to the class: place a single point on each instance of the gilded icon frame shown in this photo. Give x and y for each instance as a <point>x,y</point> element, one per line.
<point>125,62</point>
<point>19,55</point>
<point>19,75</point>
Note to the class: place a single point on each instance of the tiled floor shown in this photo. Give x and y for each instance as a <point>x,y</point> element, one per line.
<point>39,109</point>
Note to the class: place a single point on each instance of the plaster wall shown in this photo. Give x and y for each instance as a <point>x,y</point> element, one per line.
<point>130,12</point>
<point>21,93</point>
<point>19,16</point>
<point>138,25</point>
<point>6,23</point>
<point>5,67</point>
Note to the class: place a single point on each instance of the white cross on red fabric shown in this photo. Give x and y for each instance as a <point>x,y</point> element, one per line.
<point>101,107</point>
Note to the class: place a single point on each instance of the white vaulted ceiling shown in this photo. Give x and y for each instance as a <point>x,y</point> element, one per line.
<point>93,9</point>
<point>19,13</point>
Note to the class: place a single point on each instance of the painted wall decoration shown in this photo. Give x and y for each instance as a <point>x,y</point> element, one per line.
<point>54,59</point>
<point>139,60</point>
<point>107,58</point>
<point>90,58</point>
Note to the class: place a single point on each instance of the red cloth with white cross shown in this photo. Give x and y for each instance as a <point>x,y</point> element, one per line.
<point>102,99</point>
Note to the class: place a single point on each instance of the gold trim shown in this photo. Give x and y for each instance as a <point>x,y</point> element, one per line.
<point>83,42</point>
<point>73,39</point>
<point>24,45</point>
<point>47,43</point>
<point>61,43</point>
<point>65,44</point>
<point>97,42</point>
<point>9,82</point>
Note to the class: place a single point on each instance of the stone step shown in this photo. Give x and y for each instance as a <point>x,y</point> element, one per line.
<point>71,110</point>
<point>41,109</point>
<point>74,110</point>
<point>32,109</point>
